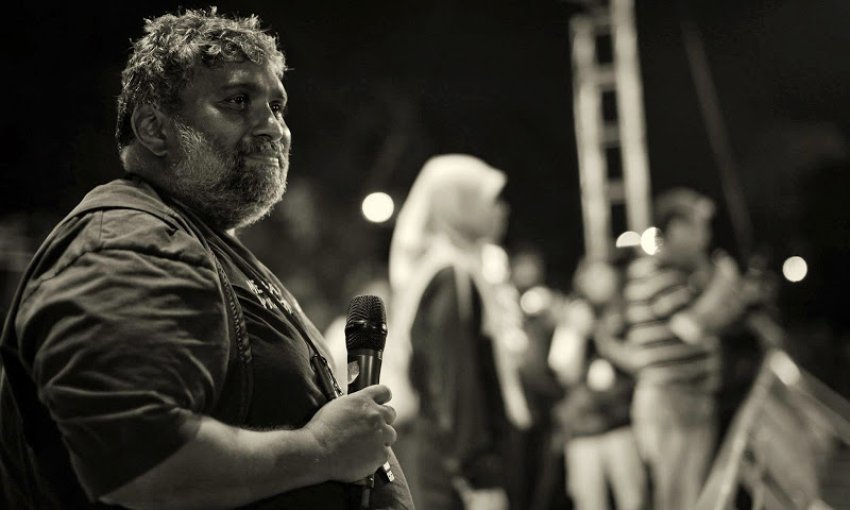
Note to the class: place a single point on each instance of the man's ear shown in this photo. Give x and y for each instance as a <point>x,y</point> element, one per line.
<point>149,126</point>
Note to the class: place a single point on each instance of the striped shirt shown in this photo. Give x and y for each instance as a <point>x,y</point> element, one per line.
<point>653,294</point>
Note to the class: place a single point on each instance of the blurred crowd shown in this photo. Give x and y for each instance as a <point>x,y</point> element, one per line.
<point>512,394</point>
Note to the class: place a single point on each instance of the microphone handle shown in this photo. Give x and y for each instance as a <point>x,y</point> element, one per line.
<point>368,366</point>
<point>368,373</point>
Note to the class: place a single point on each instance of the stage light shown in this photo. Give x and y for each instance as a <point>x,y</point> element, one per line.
<point>650,240</point>
<point>535,300</point>
<point>795,269</point>
<point>378,207</point>
<point>628,239</point>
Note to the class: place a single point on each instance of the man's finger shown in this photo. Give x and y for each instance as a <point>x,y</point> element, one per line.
<point>389,414</point>
<point>390,436</point>
<point>379,393</point>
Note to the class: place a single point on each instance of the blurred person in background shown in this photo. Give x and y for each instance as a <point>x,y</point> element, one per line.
<point>149,359</point>
<point>539,304</point>
<point>591,362</point>
<point>463,329</point>
<point>679,302</point>
<point>543,468</point>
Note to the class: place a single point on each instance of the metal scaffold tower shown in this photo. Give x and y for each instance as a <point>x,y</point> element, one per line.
<point>609,122</point>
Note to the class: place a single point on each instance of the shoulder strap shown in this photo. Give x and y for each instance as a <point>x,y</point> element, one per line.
<point>240,345</point>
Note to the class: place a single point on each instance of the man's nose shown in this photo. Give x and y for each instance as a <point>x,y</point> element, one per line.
<point>271,125</point>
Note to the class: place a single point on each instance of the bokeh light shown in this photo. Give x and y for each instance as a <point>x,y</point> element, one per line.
<point>628,239</point>
<point>378,207</point>
<point>535,300</point>
<point>650,240</point>
<point>795,269</point>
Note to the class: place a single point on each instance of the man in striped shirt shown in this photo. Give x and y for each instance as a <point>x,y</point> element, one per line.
<point>678,302</point>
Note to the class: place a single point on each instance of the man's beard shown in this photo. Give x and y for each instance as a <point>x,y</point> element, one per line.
<point>223,187</point>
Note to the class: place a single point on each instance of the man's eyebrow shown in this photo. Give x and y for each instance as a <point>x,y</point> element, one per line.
<point>239,85</point>
<point>252,87</point>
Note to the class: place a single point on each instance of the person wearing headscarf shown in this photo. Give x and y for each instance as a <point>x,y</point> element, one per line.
<point>458,332</point>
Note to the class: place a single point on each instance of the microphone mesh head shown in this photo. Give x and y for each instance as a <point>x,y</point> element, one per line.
<point>366,326</point>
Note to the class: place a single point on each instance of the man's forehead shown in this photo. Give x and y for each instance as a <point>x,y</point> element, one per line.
<point>237,74</point>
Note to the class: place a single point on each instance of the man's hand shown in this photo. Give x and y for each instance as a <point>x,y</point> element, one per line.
<point>228,467</point>
<point>355,433</point>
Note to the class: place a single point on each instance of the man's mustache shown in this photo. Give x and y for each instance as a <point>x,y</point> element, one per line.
<point>262,148</point>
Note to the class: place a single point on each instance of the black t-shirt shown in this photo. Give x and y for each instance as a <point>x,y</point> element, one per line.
<point>120,339</point>
<point>285,386</point>
<point>286,389</point>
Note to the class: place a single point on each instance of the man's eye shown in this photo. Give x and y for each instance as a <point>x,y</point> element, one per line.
<point>240,100</point>
<point>278,108</point>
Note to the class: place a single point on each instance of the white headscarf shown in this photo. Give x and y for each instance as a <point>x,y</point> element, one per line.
<point>433,232</point>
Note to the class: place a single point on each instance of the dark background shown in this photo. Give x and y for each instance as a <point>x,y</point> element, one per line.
<point>377,87</point>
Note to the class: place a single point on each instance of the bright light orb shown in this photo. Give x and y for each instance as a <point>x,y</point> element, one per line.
<point>650,240</point>
<point>795,269</point>
<point>628,239</point>
<point>378,207</point>
<point>535,300</point>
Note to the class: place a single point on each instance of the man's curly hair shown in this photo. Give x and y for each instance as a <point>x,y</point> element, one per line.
<point>164,59</point>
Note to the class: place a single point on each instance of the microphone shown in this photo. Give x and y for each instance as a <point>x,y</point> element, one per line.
<point>365,337</point>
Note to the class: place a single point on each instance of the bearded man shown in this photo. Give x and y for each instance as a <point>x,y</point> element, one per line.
<point>149,360</point>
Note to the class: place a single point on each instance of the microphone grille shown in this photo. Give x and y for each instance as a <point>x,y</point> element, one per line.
<point>366,326</point>
<point>366,308</point>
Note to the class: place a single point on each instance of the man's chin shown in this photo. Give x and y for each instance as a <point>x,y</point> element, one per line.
<point>261,207</point>
<point>263,168</point>
<point>255,215</point>
<point>243,200</point>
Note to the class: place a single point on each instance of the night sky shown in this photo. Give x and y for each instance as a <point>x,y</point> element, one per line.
<point>376,87</point>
